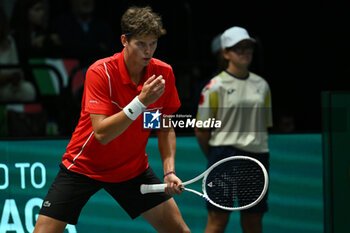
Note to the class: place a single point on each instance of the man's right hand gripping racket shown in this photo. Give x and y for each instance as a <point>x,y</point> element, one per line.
<point>233,183</point>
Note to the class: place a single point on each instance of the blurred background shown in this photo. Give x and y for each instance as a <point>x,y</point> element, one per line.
<point>301,51</point>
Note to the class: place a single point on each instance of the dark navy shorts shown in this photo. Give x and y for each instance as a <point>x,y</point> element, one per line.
<point>220,152</point>
<point>70,191</point>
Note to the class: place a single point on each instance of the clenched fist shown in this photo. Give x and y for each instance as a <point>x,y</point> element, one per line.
<point>152,89</point>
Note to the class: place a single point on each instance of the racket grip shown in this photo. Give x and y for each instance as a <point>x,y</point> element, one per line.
<point>152,188</point>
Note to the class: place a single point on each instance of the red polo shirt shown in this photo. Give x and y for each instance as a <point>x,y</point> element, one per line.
<point>108,89</point>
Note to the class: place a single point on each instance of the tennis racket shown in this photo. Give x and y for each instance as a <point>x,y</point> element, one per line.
<point>233,183</point>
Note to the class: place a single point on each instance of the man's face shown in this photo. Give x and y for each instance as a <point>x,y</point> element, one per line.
<point>141,49</point>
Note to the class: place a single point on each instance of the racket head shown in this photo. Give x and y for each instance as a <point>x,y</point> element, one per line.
<point>235,183</point>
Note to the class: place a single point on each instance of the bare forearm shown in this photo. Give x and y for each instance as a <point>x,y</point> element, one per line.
<point>203,137</point>
<point>167,149</point>
<point>108,128</point>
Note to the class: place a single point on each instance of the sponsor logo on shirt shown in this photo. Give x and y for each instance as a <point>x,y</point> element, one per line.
<point>230,91</point>
<point>47,204</point>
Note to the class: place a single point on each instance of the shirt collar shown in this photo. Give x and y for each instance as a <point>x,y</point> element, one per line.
<point>125,77</point>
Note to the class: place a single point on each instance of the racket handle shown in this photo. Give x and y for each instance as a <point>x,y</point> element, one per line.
<point>152,188</point>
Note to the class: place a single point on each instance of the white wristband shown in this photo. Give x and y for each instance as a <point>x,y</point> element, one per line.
<point>134,108</point>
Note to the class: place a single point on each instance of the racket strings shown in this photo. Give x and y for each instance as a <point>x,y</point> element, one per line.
<point>235,183</point>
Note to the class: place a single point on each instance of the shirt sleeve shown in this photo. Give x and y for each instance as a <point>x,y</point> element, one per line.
<point>208,103</point>
<point>172,102</point>
<point>97,93</point>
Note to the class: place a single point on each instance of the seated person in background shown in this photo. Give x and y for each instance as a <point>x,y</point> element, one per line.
<point>31,30</point>
<point>82,34</point>
<point>12,85</point>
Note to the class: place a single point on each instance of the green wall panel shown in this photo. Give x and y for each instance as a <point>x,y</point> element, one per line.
<point>295,195</point>
<point>336,147</point>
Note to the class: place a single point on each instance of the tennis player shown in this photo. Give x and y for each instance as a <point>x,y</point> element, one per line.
<point>107,149</point>
<point>241,100</point>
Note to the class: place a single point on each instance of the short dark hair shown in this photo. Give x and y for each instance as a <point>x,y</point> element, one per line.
<point>140,21</point>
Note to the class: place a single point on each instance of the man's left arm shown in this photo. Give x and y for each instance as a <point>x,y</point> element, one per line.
<point>167,148</point>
